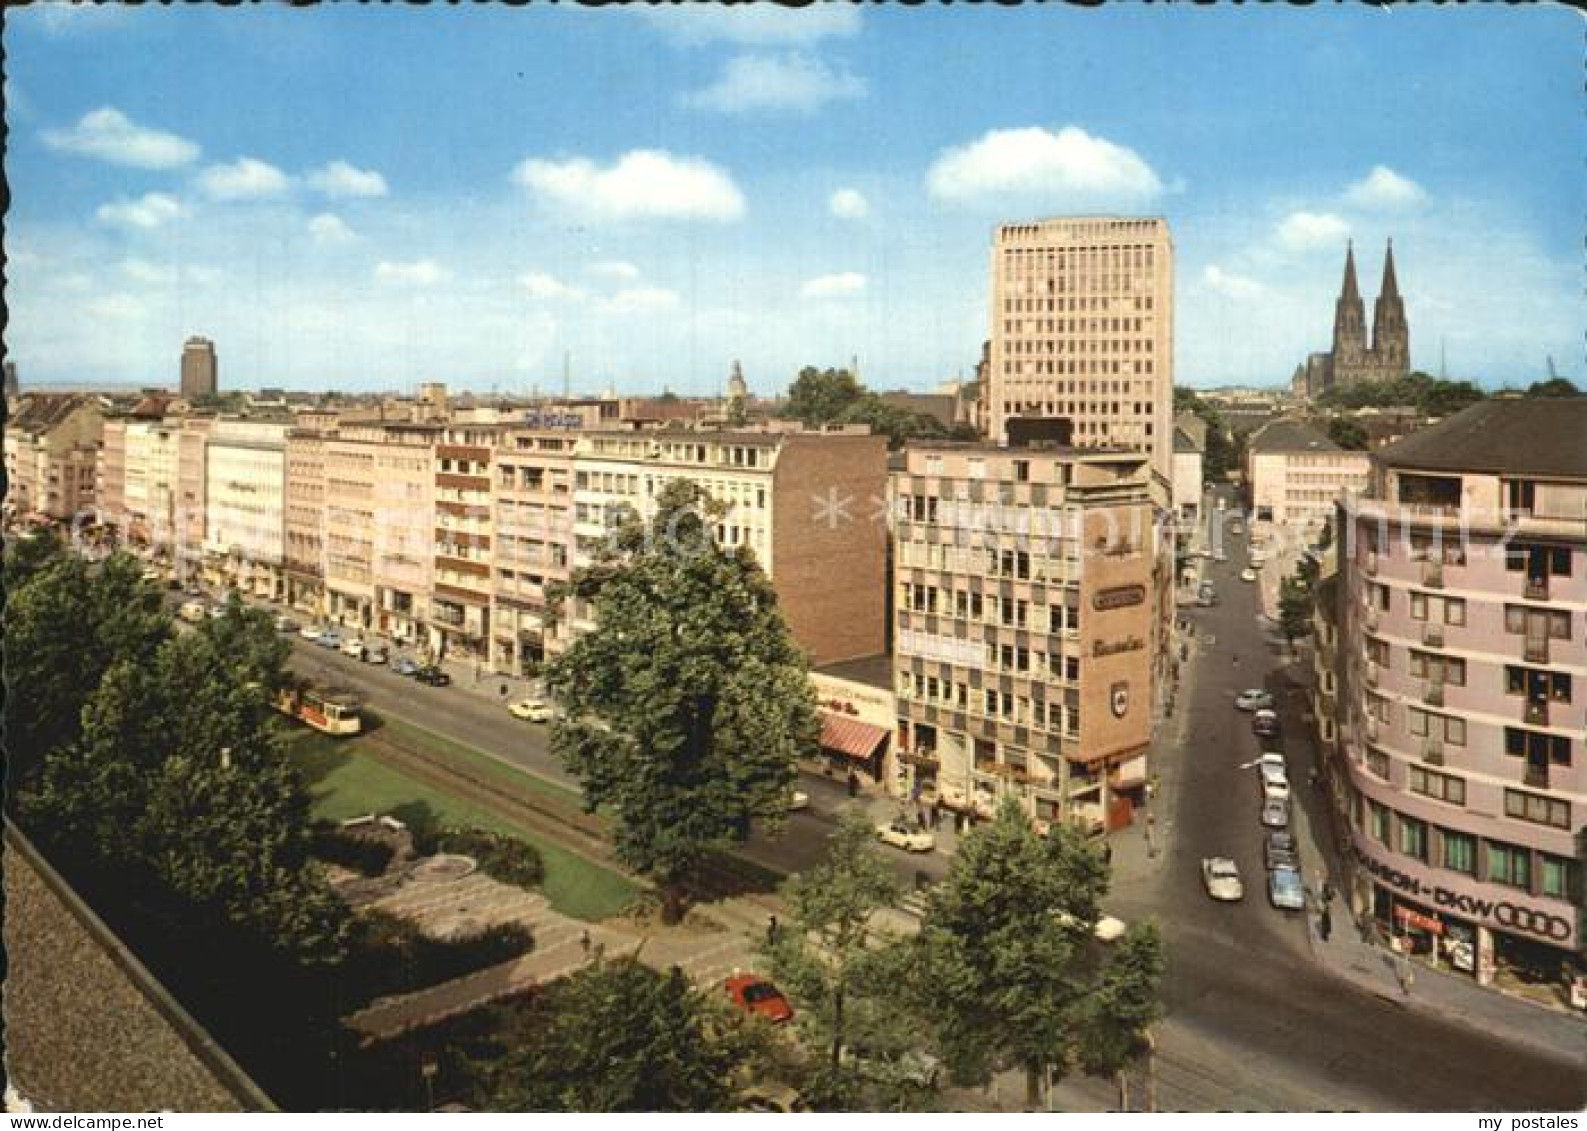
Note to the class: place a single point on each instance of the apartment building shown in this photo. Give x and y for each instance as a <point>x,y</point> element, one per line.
<point>51,455</point>
<point>150,486</point>
<point>1295,475</point>
<point>305,517</point>
<point>401,551</point>
<point>1082,328</point>
<point>459,622</point>
<point>532,547</point>
<point>1462,666</point>
<point>810,505</point>
<point>192,465</point>
<point>1025,596</point>
<point>245,476</point>
<point>350,522</point>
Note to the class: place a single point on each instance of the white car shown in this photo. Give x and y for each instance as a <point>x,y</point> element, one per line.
<point>1254,699</point>
<point>900,835</point>
<point>1275,782</point>
<point>375,654</point>
<point>533,710</point>
<point>311,631</point>
<point>354,648</point>
<point>798,799</point>
<point>1222,879</point>
<point>1248,575</point>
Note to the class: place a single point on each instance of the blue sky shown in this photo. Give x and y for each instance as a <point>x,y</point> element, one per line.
<point>369,198</point>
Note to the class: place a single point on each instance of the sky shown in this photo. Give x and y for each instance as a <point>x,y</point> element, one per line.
<point>368,198</point>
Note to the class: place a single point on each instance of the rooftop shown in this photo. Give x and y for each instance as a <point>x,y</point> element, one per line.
<point>1290,436</point>
<point>1542,436</point>
<point>873,671</point>
<point>41,412</point>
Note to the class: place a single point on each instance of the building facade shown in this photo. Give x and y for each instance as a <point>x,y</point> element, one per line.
<point>459,622</point>
<point>533,546</point>
<point>1294,475</point>
<point>401,558</point>
<point>1462,764</point>
<point>1025,603</point>
<point>1083,329</point>
<point>52,455</point>
<point>200,368</point>
<point>245,476</point>
<point>305,518</point>
<point>350,523</point>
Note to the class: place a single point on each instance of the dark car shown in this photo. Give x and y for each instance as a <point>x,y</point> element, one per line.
<point>1264,724</point>
<point>404,666</point>
<point>1280,851</point>
<point>432,675</point>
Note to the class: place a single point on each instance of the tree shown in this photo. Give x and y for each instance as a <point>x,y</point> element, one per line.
<point>1294,609</point>
<point>688,703</point>
<point>618,1036</point>
<point>825,957</point>
<point>1115,1018</point>
<point>1009,966</point>
<point>899,425</point>
<point>1553,387</point>
<point>821,396</point>
<point>1347,433</point>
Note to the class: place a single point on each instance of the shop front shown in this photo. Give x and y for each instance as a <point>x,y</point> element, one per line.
<point>858,715</point>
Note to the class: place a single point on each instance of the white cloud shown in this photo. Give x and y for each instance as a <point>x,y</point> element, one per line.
<point>165,275</point>
<point>147,212</point>
<point>339,179</point>
<point>1384,188</point>
<point>329,230</point>
<point>849,204</point>
<point>775,82</point>
<point>642,184</point>
<point>246,178</point>
<point>754,24</point>
<point>419,273</point>
<point>110,135</point>
<point>640,300</point>
<point>833,286</point>
<point>1229,284</point>
<point>614,269</point>
<point>118,306</point>
<point>1067,167</point>
<point>1307,231</point>
<point>547,287</point>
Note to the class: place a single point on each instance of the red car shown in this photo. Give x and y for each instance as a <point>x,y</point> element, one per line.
<point>755,994</point>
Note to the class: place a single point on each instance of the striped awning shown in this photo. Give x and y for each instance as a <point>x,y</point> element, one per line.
<point>844,735</point>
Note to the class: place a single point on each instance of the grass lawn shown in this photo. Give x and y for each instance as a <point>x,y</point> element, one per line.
<point>343,785</point>
<point>478,761</point>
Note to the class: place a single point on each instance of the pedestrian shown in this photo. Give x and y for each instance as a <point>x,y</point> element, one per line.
<point>1325,924</point>
<point>854,784</point>
<point>1107,853</point>
<point>1327,892</point>
<point>933,815</point>
<point>771,931</point>
<point>584,943</point>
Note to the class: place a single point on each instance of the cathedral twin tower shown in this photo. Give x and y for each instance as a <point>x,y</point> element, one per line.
<point>1352,360</point>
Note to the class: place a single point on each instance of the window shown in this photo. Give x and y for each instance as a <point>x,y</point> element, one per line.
<point>1378,763</point>
<point>1418,606</point>
<point>1537,747</point>
<point>1455,731</point>
<point>1536,684</point>
<point>1413,837</point>
<point>1560,877</point>
<point>1460,851</point>
<point>1440,787</point>
<point>1416,720</point>
<point>1379,815</point>
<point>1509,864</point>
<point>1538,809</point>
<point>1454,611</point>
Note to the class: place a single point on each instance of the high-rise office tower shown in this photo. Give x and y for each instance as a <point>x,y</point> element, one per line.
<point>1083,329</point>
<point>198,368</point>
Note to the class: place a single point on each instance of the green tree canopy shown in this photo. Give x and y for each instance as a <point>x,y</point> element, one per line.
<point>821,396</point>
<point>688,703</point>
<point>1347,433</point>
<point>620,1037</point>
<point>1553,387</point>
<point>1294,608</point>
<point>1008,963</point>
<point>841,977</point>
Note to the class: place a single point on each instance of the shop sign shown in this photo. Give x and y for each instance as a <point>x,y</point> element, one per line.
<point>1119,699</point>
<point>1101,648</point>
<point>1118,597</point>
<point>1529,920</point>
<point>1418,920</point>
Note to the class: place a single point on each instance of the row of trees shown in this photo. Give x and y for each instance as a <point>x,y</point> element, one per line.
<point>1225,446</point>
<point>819,397</point>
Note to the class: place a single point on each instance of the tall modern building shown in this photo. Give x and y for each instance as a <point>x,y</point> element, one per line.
<point>1354,358</point>
<point>1461,763</point>
<point>198,368</point>
<point>1083,329</point>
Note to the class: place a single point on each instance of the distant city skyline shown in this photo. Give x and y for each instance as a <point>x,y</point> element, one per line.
<point>655,194</point>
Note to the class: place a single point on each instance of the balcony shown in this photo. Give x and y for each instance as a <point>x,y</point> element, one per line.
<point>1372,617</point>
<point>1433,693</point>
<point>1537,712</point>
<point>1372,674</point>
<point>1535,589</point>
<point>1433,574</point>
<point>1535,650</point>
<point>1369,563</point>
<point>1536,777</point>
<point>1433,751</point>
<point>1433,635</point>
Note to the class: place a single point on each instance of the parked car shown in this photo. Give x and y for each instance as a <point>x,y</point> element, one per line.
<point>798,799</point>
<point>330,639</point>
<point>375,654</point>
<point>1254,699</point>
<point>286,624</point>
<point>433,676</point>
<point>1275,813</point>
<point>1275,782</point>
<point>312,632</point>
<point>217,611</point>
<point>533,710</point>
<point>898,834</point>
<point>354,648</point>
<point>1221,877</point>
<point>1280,851</point>
<point>1285,889</point>
<point>192,611</point>
<point>405,666</point>
<point>754,994</point>
<point>1264,723</point>
<point>1248,575</point>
